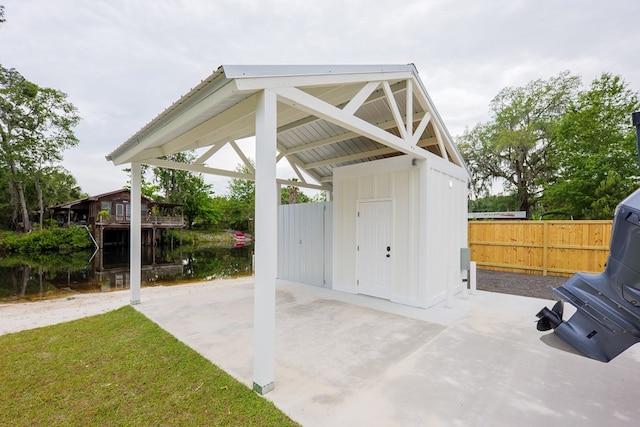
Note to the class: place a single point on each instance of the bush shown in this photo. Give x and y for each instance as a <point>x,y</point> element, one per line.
<point>50,223</point>
<point>39,241</point>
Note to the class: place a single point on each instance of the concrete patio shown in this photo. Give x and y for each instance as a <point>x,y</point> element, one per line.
<point>344,360</point>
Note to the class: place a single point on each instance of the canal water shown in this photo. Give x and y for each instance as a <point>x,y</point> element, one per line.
<point>58,275</point>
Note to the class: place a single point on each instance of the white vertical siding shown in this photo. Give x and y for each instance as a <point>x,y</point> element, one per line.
<point>429,204</point>
<point>345,195</point>
<point>445,227</point>
<point>304,236</point>
<point>404,253</point>
<point>394,179</point>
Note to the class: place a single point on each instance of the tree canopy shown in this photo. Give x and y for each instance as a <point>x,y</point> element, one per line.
<point>513,145</point>
<point>36,126</point>
<point>555,147</point>
<point>595,151</point>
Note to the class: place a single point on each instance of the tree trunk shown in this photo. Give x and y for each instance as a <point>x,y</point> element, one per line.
<point>22,203</point>
<point>40,201</point>
<point>14,205</point>
<point>26,222</point>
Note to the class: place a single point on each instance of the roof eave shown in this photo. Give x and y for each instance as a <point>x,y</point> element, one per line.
<point>206,87</point>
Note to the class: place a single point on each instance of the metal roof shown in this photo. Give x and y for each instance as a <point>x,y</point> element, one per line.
<point>327,116</point>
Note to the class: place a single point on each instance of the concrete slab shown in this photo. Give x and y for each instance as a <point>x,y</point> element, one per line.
<point>346,359</point>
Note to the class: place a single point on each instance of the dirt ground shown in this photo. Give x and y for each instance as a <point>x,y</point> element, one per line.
<point>526,285</point>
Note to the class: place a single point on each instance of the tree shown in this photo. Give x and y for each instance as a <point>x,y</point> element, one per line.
<point>292,194</point>
<point>183,187</point>
<point>240,208</point>
<point>243,190</point>
<point>513,146</point>
<point>56,186</point>
<point>595,150</point>
<point>2,19</point>
<point>493,203</point>
<point>36,126</point>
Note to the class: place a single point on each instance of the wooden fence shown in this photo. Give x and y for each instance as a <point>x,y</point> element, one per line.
<point>554,248</point>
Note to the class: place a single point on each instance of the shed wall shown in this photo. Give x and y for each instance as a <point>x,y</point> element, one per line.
<point>304,243</point>
<point>394,179</point>
<point>428,229</point>
<point>444,220</point>
<point>429,225</point>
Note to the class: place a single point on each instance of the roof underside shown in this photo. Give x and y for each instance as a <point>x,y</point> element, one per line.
<point>327,116</point>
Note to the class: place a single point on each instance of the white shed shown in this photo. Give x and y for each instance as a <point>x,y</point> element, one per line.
<point>368,134</point>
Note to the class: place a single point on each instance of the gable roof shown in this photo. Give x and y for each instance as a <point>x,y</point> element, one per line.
<point>125,191</point>
<point>327,116</point>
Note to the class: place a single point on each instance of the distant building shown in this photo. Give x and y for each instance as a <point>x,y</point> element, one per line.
<point>497,215</point>
<point>108,216</point>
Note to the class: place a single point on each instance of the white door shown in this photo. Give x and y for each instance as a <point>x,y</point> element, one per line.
<point>374,248</point>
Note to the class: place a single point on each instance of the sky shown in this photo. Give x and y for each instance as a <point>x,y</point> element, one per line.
<point>122,62</point>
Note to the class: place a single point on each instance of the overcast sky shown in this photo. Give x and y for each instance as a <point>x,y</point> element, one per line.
<point>122,62</point>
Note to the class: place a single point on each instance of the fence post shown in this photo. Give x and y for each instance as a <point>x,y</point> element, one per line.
<point>545,246</point>
<point>472,278</point>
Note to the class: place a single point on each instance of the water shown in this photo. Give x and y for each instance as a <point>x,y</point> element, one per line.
<point>58,275</point>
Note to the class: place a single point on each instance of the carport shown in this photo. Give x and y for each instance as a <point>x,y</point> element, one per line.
<point>321,120</point>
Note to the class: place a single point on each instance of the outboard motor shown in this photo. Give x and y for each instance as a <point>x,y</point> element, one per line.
<point>607,320</point>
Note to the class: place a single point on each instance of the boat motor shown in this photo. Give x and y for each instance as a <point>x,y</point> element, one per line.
<point>607,317</point>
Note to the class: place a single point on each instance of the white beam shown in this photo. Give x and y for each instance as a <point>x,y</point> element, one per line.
<point>273,83</point>
<point>234,123</point>
<point>266,243</point>
<point>239,122</point>
<point>294,161</point>
<point>427,142</point>
<point>393,105</point>
<point>221,172</point>
<point>135,231</point>
<point>351,157</point>
<point>191,167</point>
<point>331,96</point>
<point>420,129</point>
<point>301,184</point>
<point>337,138</point>
<point>443,150</point>
<point>409,107</point>
<point>242,156</point>
<point>296,169</point>
<point>357,101</point>
<point>299,99</point>
<point>210,152</point>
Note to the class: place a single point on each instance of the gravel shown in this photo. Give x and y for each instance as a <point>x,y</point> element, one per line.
<point>526,285</point>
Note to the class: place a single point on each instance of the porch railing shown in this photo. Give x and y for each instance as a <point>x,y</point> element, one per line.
<point>153,220</point>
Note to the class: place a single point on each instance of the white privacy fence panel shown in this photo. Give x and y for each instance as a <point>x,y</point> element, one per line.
<point>304,243</point>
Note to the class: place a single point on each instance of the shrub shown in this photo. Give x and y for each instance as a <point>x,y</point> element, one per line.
<point>39,241</point>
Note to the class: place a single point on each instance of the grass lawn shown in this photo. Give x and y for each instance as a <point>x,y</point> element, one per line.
<point>119,368</point>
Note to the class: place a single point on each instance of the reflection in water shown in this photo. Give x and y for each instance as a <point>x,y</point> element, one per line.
<point>107,270</point>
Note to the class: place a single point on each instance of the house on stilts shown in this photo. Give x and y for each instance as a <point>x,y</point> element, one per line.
<point>108,217</point>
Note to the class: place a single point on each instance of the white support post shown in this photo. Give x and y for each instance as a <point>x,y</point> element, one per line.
<point>135,239</point>
<point>465,284</point>
<point>266,244</point>
<point>472,278</point>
